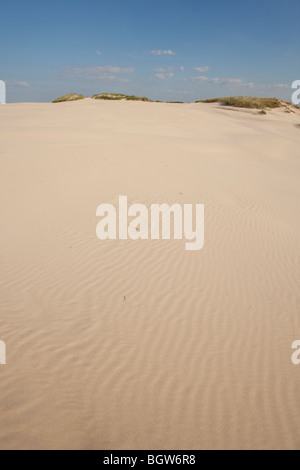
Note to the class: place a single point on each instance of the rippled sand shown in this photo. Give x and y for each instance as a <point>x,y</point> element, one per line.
<point>141,344</point>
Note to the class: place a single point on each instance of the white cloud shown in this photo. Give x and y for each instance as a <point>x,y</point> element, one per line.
<point>98,52</point>
<point>162,52</point>
<point>202,69</point>
<point>164,76</point>
<point>107,72</point>
<point>181,68</point>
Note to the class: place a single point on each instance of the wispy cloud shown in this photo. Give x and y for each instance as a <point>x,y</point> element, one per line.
<point>164,76</point>
<point>234,82</point>
<point>98,52</point>
<point>162,52</point>
<point>199,78</point>
<point>223,81</point>
<point>165,73</point>
<point>99,69</point>
<point>107,72</point>
<point>275,85</point>
<point>228,81</point>
<point>17,84</point>
<point>164,69</point>
<point>202,69</point>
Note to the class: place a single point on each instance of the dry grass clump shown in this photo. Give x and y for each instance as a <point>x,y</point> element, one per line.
<point>247,102</point>
<point>119,96</point>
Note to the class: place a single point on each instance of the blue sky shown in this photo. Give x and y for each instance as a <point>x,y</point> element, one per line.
<point>165,50</point>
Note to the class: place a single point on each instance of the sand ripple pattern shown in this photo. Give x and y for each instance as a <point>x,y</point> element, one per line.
<point>141,344</point>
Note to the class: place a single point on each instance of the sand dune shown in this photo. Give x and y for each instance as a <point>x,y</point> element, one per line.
<point>198,353</point>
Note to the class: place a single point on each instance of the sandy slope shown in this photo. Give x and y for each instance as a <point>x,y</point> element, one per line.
<point>199,353</point>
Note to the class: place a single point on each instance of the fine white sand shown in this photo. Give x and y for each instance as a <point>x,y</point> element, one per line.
<point>198,354</point>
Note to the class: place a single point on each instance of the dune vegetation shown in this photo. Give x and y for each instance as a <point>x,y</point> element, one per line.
<point>109,96</point>
<point>119,96</point>
<point>69,97</point>
<point>248,102</point>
